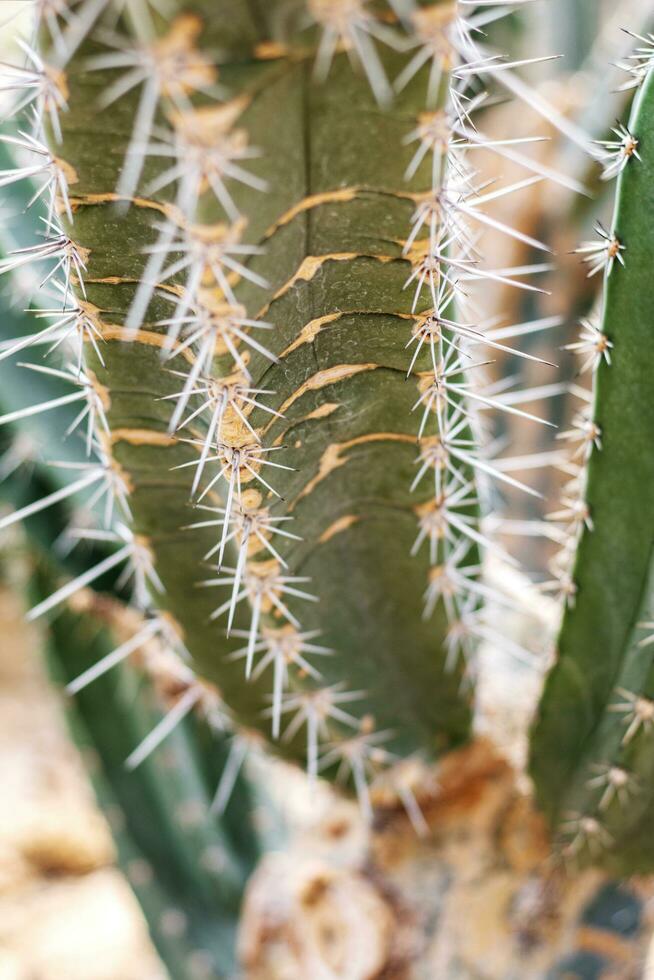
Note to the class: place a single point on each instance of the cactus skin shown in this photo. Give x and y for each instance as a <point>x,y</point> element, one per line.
<point>600,645</point>
<point>313,140</point>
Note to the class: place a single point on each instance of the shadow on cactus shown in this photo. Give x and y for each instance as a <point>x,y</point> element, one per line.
<point>260,245</point>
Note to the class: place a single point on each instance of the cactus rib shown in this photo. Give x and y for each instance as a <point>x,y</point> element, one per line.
<point>596,704</point>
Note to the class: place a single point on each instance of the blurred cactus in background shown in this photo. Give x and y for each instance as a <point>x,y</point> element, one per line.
<point>293,279</point>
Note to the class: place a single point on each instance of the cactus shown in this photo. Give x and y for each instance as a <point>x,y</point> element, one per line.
<point>312,392</point>
<point>263,263</point>
<point>187,868</point>
<point>597,706</point>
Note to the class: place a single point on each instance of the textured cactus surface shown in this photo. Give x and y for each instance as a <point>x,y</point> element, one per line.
<point>330,224</point>
<point>592,750</point>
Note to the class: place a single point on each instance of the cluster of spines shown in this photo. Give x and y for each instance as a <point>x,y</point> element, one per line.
<point>42,90</point>
<point>443,249</point>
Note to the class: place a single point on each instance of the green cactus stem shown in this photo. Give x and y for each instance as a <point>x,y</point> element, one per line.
<point>591,754</point>
<point>331,226</point>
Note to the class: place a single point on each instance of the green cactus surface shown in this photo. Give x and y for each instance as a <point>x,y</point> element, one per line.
<point>330,226</point>
<point>594,729</point>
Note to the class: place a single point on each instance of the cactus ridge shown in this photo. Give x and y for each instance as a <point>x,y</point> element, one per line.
<point>596,791</point>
